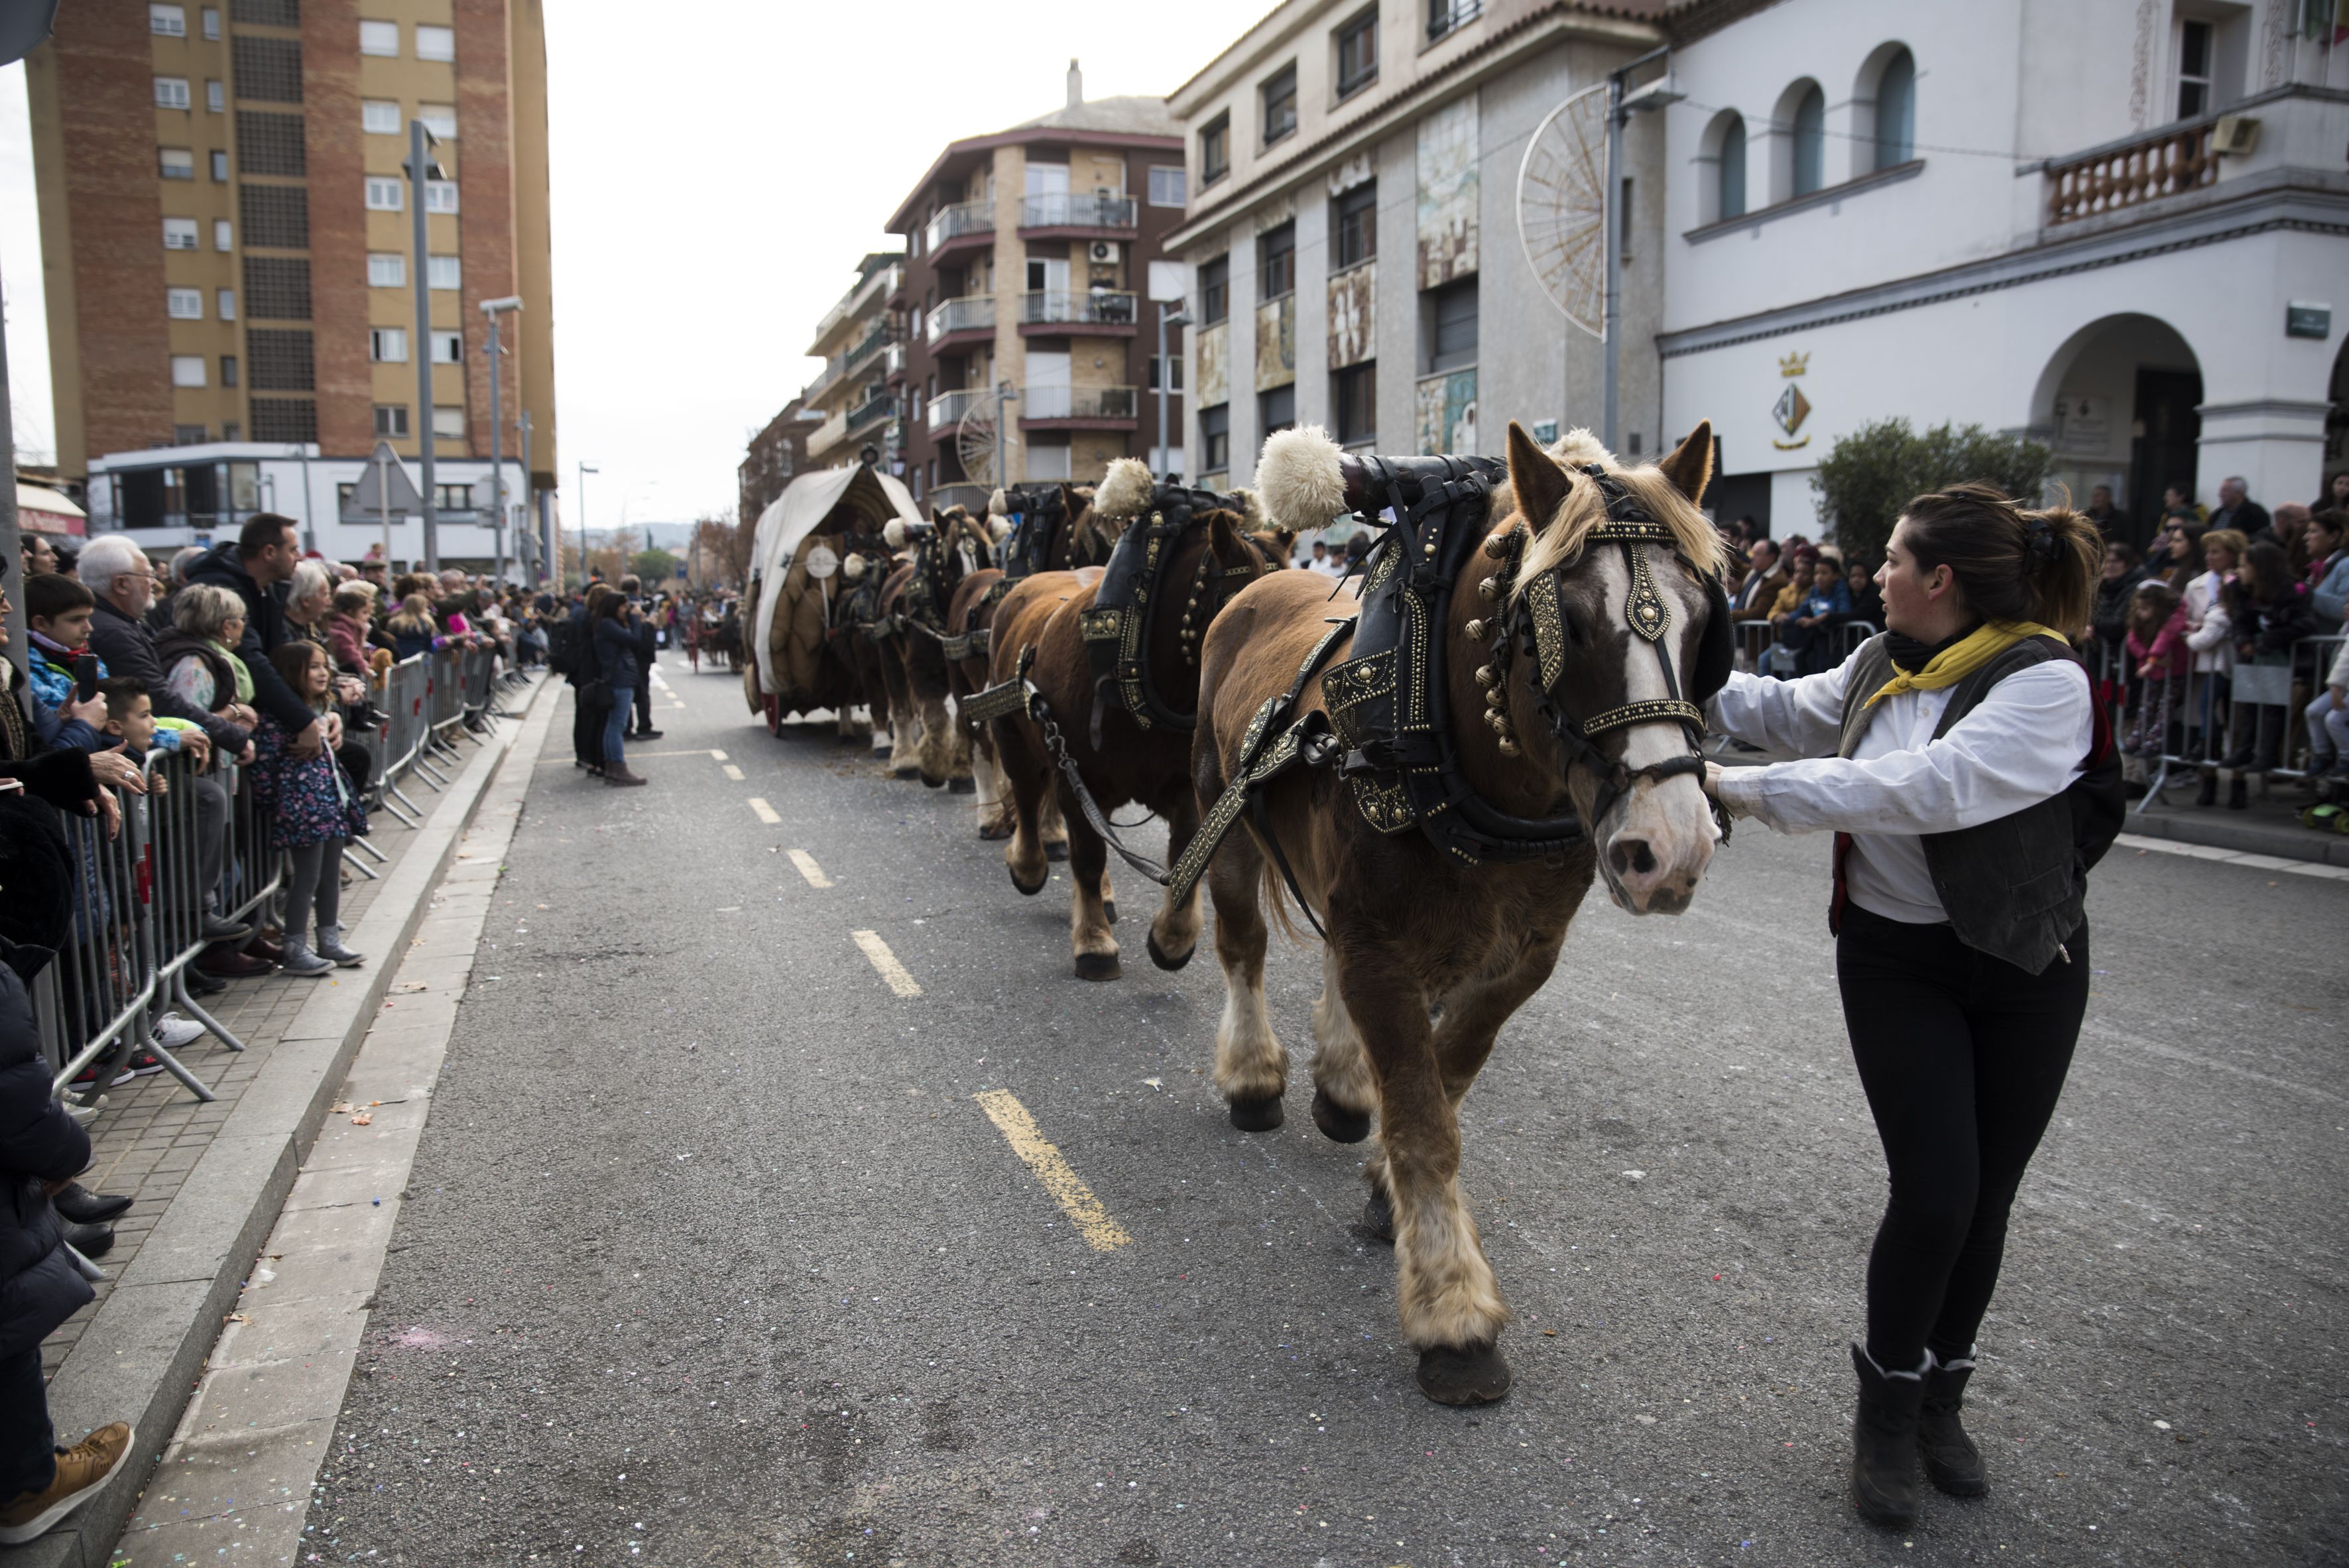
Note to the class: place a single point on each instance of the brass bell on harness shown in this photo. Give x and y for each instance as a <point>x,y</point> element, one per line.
<point>1489,589</point>
<point>1499,544</point>
<point>1487,676</point>
<point>1496,698</point>
<point>1476,630</point>
<point>1510,747</point>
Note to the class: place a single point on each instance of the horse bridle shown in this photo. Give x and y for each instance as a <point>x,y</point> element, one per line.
<point>1536,623</point>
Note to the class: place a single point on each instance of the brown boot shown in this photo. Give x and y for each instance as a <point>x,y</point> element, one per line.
<point>617,773</point>
<point>81,1470</point>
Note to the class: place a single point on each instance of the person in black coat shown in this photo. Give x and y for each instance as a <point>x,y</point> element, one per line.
<point>620,655</point>
<point>256,568</point>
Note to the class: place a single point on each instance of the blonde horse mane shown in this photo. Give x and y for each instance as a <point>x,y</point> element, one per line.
<point>1558,541</point>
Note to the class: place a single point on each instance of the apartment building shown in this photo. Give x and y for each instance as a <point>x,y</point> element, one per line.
<point>1030,255</point>
<point>778,454</point>
<point>861,343</point>
<point>1352,228</point>
<point>225,230</point>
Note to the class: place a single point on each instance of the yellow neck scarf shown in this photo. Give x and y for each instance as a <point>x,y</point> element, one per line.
<point>1962,658</point>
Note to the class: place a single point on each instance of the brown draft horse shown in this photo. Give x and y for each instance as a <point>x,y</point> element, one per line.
<point>1427,957</point>
<point>859,634</point>
<point>915,599</point>
<point>1132,763</point>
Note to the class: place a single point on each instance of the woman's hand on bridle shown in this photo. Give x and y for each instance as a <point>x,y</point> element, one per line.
<point>1711,782</point>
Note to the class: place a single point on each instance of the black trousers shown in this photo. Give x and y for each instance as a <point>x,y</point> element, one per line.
<point>1962,1056</point>
<point>644,701</point>
<point>587,727</point>
<point>28,1458</point>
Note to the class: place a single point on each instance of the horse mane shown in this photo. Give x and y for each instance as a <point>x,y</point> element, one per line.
<point>1557,542</point>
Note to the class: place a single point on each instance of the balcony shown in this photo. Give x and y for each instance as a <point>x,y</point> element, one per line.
<point>827,436</point>
<point>963,320</point>
<point>969,495</point>
<point>2285,139</point>
<point>1079,408</point>
<point>947,408</point>
<point>2175,161</point>
<point>1062,212</point>
<point>875,408</point>
<point>892,363</point>
<point>966,223</point>
<point>1068,313</point>
<point>875,342</point>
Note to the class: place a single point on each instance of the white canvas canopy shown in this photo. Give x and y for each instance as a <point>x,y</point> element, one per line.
<point>784,526</point>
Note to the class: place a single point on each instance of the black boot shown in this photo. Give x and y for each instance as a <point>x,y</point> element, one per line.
<point>1884,1441</point>
<point>2238,793</point>
<point>2207,795</point>
<point>81,1206</point>
<point>1951,1461</point>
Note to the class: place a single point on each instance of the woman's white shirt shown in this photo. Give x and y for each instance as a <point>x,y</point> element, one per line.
<point>2025,741</point>
<point>2206,627</point>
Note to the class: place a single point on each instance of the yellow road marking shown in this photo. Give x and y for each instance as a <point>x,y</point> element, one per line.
<point>718,756</point>
<point>734,773</point>
<point>887,963</point>
<point>767,813</point>
<point>810,870</point>
<point>1102,1234</point>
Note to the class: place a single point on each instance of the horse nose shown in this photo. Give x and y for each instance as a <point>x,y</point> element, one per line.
<point>1650,883</point>
<point>1630,857</point>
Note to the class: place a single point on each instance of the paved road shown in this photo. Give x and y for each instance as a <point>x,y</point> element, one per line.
<point>711,1256</point>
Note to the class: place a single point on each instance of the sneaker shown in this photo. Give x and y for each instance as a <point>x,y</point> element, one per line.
<point>300,960</point>
<point>173,1032</point>
<point>330,948</point>
<point>218,930</point>
<point>139,1064</point>
<point>82,1470</point>
<point>84,1115</point>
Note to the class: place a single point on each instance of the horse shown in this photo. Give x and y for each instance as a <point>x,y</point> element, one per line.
<point>858,632</point>
<point>1447,796</point>
<point>1109,675</point>
<point>951,546</point>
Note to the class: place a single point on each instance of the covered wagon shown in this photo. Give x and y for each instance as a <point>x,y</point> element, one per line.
<point>790,609</point>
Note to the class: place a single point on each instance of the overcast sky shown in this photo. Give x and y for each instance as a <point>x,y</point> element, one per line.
<point>714,184</point>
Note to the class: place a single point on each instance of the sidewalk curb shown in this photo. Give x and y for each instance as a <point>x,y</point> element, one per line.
<point>2228,831</point>
<point>140,1356</point>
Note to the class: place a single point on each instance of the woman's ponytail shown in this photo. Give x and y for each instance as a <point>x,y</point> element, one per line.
<point>2064,551</point>
<point>2012,563</point>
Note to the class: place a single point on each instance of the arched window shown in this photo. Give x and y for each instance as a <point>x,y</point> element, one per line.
<point>1810,141</point>
<point>1732,169</point>
<point>1895,110</point>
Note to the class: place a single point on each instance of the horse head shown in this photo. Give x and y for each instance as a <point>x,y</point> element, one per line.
<point>1593,647</point>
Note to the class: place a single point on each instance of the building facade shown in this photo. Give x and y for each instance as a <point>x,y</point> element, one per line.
<point>226,240</point>
<point>1352,229</point>
<point>1028,261</point>
<point>861,343</point>
<point>778,455</point>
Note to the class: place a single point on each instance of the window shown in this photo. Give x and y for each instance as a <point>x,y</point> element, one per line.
<point>275,215</point>
<point>1275,261</point>
<point>179,233</point>
<point>440,195</point>
<point>277,288</point>
<point>1215,439</point>
<point>1276,409</point>
<point>1895,111</point>
<point>1214,150</point>
<point>448,424</point>
<point>2196,50</point>
<point>267,12</point>
<point>1354,403</point>
<point>280,361</point>
<point>450,497</point>
<point>170,21</point>
<point>435,43</point>
<point>380,38</point>
<point>270,143</point>
<point>224,299</point>
<point>1279,96</point>
<point>388,344</point>
<point>1357,53</point>
<point>170,92</point>
<point>448,348</point>
<point>391,419</point>
<point>1731,201</point>
<point>386,270</point>
<point>219,166</point>
<point>268,69</point>
<point>1167,185</point>
<point>184,304</point>
<point>1214,291</point>
<point>1354,226</point>
<point>440,118</point>
<point>231,430</point>
<point>1810,147</point>
<point>1450,313</point>
<point>212,23</point>
<point>1048,461</point>
<point>379,117</point>
<point>188,370</point>
<point>384,195</point>
<point>175,163</point>
<point>1173,365</point>
<point>1445,16</point>
<point>285,419</point>
<point>215,97</point>
<point>228,369</point>
<point>189,435</point>
<point>443,273</point>
<point>223,235</point>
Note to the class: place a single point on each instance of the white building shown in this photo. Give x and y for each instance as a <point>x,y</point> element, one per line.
<point>2122,225</point>
<point>169,497</point>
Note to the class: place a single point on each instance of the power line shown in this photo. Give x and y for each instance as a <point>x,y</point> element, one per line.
<point>1781,128</point>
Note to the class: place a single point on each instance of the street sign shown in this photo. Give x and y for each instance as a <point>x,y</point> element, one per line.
<point>384,485</point>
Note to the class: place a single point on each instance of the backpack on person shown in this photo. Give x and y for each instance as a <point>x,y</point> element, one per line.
<point>563,648</point>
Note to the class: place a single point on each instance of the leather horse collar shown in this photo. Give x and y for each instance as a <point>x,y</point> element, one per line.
<point>1133,591</point>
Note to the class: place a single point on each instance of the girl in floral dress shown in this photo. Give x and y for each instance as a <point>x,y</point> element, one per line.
<point>314,813</point>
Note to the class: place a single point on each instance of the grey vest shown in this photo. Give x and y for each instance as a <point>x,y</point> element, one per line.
<point>2015,888</point>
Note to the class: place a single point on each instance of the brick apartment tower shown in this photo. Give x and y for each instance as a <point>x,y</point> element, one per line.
<point>222,254</point>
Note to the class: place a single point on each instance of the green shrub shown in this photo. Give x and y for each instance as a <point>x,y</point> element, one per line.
<point>1870,475</point>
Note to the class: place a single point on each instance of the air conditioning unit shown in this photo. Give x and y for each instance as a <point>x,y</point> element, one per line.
<point>2234,136</point>
<point>1105,252</point>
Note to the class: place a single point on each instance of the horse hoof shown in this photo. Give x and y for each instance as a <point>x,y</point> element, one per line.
<point>1464,1374</point>
<point>1098,967</point>
<point>1056,850</point>
<point>906,772</point>
<point>992,833</point>
<point>1258,1115</point>
<point>1108,910</point>
<point>1026,891</point>
<point>1158,954</point>
<point>1378,1218</point>
<point>1336,1123</point>
<point>962,786</point>
<point>929,782</point>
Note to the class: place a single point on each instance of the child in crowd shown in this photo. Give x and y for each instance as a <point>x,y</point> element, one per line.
<point>130,720</point>
<point>413,631</point>
<point>313,813</point>
<point>2158,651</point>
<point>57,611</point>
<point>1806,633</point>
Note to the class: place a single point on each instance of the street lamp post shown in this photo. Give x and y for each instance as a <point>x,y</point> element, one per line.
<point>494,309</point>
<point>1179,314</point>
<point>421,172</point>
<point>530,498</point>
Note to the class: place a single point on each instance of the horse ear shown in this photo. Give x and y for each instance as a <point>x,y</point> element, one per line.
<point>1072,505</point>
<point>1541,486</point>
<point>1689,468</point>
